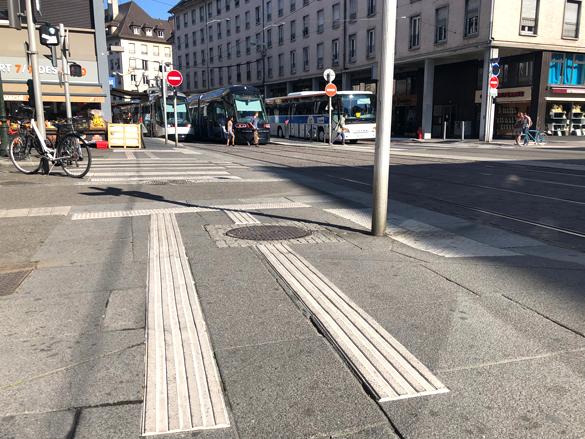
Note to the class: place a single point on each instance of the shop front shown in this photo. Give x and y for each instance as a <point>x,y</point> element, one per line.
<point>509,103</point>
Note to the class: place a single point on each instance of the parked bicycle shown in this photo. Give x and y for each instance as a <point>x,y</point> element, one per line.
<point>28,149</point>
<point>536,136</point>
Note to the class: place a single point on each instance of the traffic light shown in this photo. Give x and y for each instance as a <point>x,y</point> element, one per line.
<point>14,14</point>
<point>31,92</point>
<point>75,70</point>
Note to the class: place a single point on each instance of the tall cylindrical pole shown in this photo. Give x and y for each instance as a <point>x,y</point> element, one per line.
<point>65,68</point>
<point>34,61</point>
<point>384,122</point>
<point>164,105</point>
<point>176,122</point>
<point>3,122</point>
<point>330,120</point>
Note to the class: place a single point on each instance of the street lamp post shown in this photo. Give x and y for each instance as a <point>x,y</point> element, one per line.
<point>3,121</point>
<point>384,122</point>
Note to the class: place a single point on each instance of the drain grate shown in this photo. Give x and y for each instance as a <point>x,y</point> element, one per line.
<point>9,282</point>
<point>268,233</point>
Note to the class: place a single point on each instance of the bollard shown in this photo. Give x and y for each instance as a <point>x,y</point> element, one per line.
<point>445,130</point>
<point>462,130</point>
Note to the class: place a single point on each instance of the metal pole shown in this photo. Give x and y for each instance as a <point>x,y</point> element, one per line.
<point>34,61</point>
<point>3,122</point>
<point>330,117</point>
<point>176,122</point>
<point>445,130</point>
<point>164,105</point>
<point>462,130</point>
<point>65,68</point>
<point>384,122</point>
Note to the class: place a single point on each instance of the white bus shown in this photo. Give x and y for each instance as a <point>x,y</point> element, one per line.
<point>305,115</point>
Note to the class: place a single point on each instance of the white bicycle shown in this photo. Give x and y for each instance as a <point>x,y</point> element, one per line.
<point>28,150</point>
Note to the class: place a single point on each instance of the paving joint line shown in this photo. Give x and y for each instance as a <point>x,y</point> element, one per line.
<point>448,279</point>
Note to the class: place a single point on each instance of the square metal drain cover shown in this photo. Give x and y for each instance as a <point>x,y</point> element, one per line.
<point>10,281</point>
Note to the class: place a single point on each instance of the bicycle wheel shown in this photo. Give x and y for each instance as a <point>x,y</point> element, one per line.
<point>25,155</point>
<point>541,139</point>
<point>74,155</point>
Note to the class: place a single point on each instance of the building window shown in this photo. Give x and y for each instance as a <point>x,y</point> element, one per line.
<point>209,13</point>
<point>293,62</point>
<point>195,80</point>
<point>441,22</point>
<point>258,15</point>
<point>268,10</point>
<point>133,78</point>
<point>320,21</point>
<point>211,55</point>
<point>148,32</point>
<point>269,66</point>
<point>179,43</point>
<point>185,19</point>
<point>567,69</point>
<point>187,60</point>
<point>269,38</point>
<point>529,18</point>
<point>353,9</point>
<point>247,19</point>
<point>259,70</point>
<point>186,41</point>
<point>471,17</point>
<point>178,22</point>
<point>352,47</point>
<point>238,73</point>
<point>336,13</point>
<point>219,53</point>
<point>131,48</point>
<point>414,32</point>
<point>280,8</point>
<point>227,5</point>
<point>306,26</point>
<point>219,30</point>
<point>229,70</point>
<point>180,61</point>
<point>572,19</point>
<point>293,30</point>
<point>135,30</point>
<point>211,77</point>
<point>210,33</point>
<point>238,50</point>
<point>293,5</point>
<point>248,46</point>
<point>193,16</point>
<point>305,59</point>
<point>280,64</point>
<point>371,43</point>
<point>228,50</point>
<point>218,7</point>
<point>280,34</point>
<point>155,50</point>
<point>335,52</point>
<point>201,36</point>
<point>220,70</point>
<point>228,28</point>
<point>204,79</point>
<point>237,24</point>
<point>160,33</point>
<point>371,7</point>
<point>132,63</point>
<point>195,59</point>
<point>201,15</point>
<point>320,52</point>
<point>167,52</point>
<point>194,38</point>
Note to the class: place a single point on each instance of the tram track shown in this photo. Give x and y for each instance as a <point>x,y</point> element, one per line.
<point>511,217</point>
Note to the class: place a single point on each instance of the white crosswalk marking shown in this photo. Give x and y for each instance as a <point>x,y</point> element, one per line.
<point>160,169</point>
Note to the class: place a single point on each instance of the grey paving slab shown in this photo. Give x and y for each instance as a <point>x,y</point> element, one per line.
<point>554,292</point>
<point>539,398</point>
<point>52,314</point>
<point>125,310</point>
<point>121,421</point>
<point>242,302</point>
<point>79,252</point>
<point>25,237</point>
<point>293,389</point>
<point>72,280</point>
<point>54,425</point>
<point>103,369</point>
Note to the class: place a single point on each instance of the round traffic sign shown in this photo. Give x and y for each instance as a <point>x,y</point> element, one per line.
<point>494,82</point>
<point>331,90</point>
<point>329,75</point>
<point>174,78</point>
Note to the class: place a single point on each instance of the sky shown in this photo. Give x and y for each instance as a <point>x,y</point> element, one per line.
<point>155,8</point>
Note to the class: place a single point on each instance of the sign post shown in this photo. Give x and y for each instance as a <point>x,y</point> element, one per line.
<point>34,61</point>
<point>65,70</point>
<point>329,76</point>
<point>175,79</point>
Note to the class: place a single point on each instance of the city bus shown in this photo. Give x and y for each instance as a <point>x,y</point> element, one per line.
<point>147,110</point>
<point>210,112</point>
<point>305,115</point>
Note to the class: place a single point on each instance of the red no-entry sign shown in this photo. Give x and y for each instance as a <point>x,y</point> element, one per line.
<point>331,90</point>
<point>494,82</point>
<point>174,78</point>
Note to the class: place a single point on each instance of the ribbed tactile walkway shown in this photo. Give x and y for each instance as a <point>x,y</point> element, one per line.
<point>183,389</point>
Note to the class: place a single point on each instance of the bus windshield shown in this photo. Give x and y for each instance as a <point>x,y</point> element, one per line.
<point>182,113</point>
<point>359,108</point>
<point>247,106</point>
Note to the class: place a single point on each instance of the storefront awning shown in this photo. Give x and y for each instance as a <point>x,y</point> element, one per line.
<point>55,93</point>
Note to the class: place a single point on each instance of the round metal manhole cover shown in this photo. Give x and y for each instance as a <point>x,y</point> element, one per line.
<point>268,233</point>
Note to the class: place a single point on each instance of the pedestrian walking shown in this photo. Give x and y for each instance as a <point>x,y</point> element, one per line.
<point>518,128</point>
<point>230,131</point>
<point>526,124</point>
<point>341,129</point>
<point>255,121</point>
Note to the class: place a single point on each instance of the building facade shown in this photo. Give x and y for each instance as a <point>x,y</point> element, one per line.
<point>138,45</point>
<point>444,51</point>
<point>278,45</point>
<point>84,20</point>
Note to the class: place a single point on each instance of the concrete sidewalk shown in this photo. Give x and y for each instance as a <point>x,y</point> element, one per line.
<point>444,328</point>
